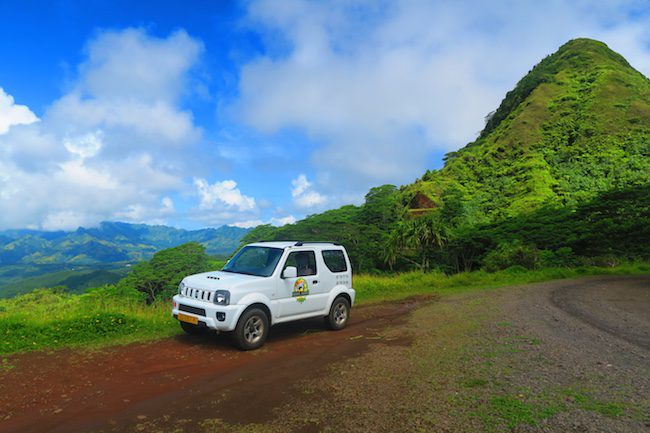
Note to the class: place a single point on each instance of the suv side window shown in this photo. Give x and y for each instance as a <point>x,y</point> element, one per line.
<point>304,261</point>
<point>335,260</point>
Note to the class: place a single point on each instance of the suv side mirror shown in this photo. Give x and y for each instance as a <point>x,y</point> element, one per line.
<point>290,272</point>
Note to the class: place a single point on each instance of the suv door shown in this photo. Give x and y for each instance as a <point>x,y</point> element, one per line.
<point>295,294</point>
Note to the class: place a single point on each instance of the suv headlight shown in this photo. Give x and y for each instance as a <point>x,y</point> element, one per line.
<point>181,287</point>
<point>222,297</point>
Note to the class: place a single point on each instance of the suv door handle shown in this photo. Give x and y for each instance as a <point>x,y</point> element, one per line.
<point>315,282</point>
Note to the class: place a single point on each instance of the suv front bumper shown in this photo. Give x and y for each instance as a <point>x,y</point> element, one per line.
<point>218,317</point>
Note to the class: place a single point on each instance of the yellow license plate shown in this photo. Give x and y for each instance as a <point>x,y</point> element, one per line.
<point>189,319</point>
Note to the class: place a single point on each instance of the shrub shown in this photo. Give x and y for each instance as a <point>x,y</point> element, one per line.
<point>511,254</point>
<point>515,269</point>
<point>560,258</point>
<point>602,261</point>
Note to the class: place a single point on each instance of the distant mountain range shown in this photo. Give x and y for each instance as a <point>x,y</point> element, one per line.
<point>109,243</point>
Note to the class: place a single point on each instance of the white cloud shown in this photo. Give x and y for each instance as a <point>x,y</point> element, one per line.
<point>281,221</point>
<point>113,147</point>
<point>13,114</point>
<point>84,146</point>
<point>303,194</point>
<point>222,193</point>
<point>167,207</point>
<point>381,86</point>
<point>64,220</point>
<point>247,224</point>
<point>121,64</point>
<point>300,185</point>
<point>278,222</point>
<point>130,86</point>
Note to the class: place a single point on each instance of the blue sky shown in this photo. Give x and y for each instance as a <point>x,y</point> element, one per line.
<point>203,113</point>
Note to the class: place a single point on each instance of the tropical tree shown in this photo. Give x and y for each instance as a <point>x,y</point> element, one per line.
<point>414,240</point>
<point>161,275</point>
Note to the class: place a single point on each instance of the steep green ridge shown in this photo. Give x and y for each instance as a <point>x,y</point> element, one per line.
<point>569,146</point>
<point>110,242</point>
<point>577,125</point>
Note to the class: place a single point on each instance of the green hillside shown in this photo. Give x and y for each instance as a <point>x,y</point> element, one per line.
<point>577,125</point>
<point>566,145</point>
<point>92,257</point>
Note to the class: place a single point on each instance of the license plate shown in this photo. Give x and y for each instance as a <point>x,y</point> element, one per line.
<point>189,319</point>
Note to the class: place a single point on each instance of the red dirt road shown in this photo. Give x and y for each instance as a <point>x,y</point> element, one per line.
<point>182,378</point>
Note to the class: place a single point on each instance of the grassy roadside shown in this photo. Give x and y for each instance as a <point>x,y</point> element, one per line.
<point>45,320</point>
<point>379,288</point>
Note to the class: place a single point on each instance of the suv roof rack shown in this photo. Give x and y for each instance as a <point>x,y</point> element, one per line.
<point>300,243</point>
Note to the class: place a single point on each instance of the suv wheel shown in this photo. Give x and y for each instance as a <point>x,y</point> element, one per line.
<point>339,314</point>
<point>252,329</point>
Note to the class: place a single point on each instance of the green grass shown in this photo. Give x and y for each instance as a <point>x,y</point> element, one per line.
<point>374,288</point>
<point>514,411</point>
<point>46,319</point>
<point>586,402</point>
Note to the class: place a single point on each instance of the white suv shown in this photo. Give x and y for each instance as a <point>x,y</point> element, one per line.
<point>267,283</point>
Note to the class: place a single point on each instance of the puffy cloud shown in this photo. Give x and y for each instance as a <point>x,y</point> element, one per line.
<point>84,146</point>
<point>130,86</point>
<point>113,146</point>
<point>303,194</point>
<point>223,193</point>
<point>121,64</point>
<point>167,207</point>
<point>65,220</point>
<point>12,113</point>
<point>280,221</point>
<point>247,224</point>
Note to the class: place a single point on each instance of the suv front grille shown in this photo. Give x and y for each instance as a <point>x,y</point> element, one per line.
<point>193,310</point>
<point>201,295</point>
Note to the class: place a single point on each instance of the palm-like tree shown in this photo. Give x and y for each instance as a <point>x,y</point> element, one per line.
<point>415,238</point>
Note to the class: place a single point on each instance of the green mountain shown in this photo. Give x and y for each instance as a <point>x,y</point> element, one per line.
<point>576,125</point>
<point>110,242</point>
<point>561,169</point>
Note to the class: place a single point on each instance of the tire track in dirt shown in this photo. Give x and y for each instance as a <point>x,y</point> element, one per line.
<point>622,310</point>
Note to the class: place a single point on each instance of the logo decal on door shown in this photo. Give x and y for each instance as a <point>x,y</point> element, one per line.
<point>300,288</point>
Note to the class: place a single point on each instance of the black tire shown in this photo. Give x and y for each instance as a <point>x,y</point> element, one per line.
<point>192,329</point>
<point>339,314</point>
<point>251,330</point>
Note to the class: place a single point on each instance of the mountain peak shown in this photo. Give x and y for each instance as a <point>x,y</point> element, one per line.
<point>578,56</point>
<point>590,50</point>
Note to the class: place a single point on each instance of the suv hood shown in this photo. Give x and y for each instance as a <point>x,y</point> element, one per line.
<point>217,280</point>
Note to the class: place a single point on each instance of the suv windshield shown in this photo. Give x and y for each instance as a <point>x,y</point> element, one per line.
<point>258,261</point>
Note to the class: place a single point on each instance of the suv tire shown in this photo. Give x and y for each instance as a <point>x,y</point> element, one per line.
<point>252,329</point>
<point>339,314</point>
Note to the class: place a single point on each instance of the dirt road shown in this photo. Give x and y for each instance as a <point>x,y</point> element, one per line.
<point>183,378</point>
<point>382,373</point>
